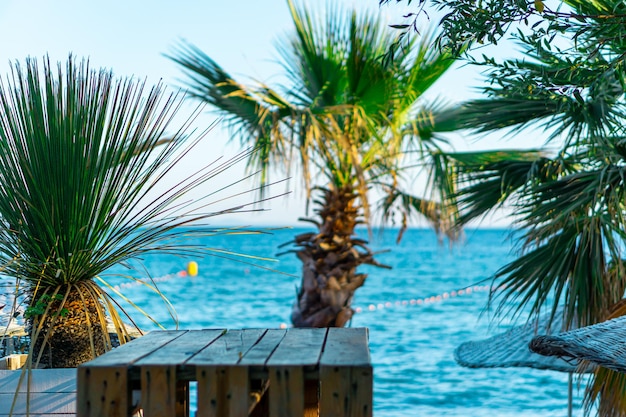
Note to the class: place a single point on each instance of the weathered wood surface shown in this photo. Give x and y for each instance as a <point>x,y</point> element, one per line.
<point>104,392</point>
<point>299,347</point>
<point>223,391</point>
<point>13,362</point>
<point>257,355</point>
<point>308,371</point>
<point>158,390</point>
<point>298,351</point>
<point>228,349</point>
<point>129,353</point>
<point>180,351</point>
<point>50,392</point>
<point>346,379</point>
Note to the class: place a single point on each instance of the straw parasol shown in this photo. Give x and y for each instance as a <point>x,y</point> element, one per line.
<point>603,344</point>
<point>510,349</point>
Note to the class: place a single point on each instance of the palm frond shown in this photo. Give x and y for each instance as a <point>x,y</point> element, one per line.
<point>493,114</point>
<point>425,66</point>
<point>254,115</point>
<point>489,179</point>
<point>342,105</point>
<point>559,90</point>
<point>313,57</point>
<point>210,83</point>
<point>570,235</point>
<point>432,119</point>
<point>407,207</point>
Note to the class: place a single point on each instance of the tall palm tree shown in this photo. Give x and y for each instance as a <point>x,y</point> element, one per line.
<point>81,157</point>
<point>568,202</point>
<point>350,124</point>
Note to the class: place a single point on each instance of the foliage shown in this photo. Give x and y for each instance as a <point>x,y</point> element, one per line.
<point>480,22</point>
<point>574,91</point>
<point>569,203</point>
<point>345,118</point>
<point>42,304</point>
<point>348,124</point>
<point>84,160</point>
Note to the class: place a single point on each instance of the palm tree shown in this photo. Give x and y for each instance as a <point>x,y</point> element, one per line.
<point>81,157</point>
<point>350,124</point>
<point>568,202</point>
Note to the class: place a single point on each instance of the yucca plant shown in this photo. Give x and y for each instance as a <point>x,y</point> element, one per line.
<point>350,126</point>
<point>82,159</point>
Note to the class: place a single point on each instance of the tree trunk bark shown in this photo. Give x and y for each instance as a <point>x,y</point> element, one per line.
<point>330,259</point>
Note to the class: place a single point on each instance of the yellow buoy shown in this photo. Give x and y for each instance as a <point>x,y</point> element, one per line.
<point>192,269</point>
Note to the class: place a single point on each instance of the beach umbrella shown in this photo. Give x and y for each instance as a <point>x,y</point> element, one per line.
<point>603,344</point>
<point>510,349</point>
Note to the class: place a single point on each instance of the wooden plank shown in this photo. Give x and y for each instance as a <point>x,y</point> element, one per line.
<point>286,393</point>
<point>103,392</point>
<point>346,391</point>
<point>223,391</point>
<point>299,347</point>
<point>136,349</point>
<point>346,376</point>
<point>346,347</point>
<point>229,349</point>
<point>44,414</point>
<point>158,390</point>
<point>239,391</point>
<point>258,354</point>
<point>179,350</point>
<point>13,362</point>
<point>51,391</point>
<point>39,403</point>
<point>41,380</point>
<point>207,388</point>
<point>290,395</point>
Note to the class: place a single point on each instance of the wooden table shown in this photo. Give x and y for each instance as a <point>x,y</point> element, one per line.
<point>257,372</point>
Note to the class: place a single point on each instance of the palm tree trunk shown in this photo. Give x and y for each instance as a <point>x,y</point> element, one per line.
<point>330,259</point>
<point>71,333</point>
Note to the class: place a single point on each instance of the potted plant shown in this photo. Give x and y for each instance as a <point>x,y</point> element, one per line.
<point>82,159</point>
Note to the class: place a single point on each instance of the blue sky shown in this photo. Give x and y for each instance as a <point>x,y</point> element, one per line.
<point>130,37</point>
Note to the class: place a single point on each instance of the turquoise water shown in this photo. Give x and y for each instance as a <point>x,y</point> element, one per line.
<point>411,344</point>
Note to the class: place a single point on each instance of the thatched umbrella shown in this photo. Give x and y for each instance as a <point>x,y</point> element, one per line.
<point>510,349</point>
<point>603,344</point>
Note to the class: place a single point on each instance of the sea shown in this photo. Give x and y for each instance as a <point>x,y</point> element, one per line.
<point>433,299</point>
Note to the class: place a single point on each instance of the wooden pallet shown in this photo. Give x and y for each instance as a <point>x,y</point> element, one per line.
<point>258,372</point>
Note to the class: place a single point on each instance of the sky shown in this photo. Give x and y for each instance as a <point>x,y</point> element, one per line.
<point>131,38</point>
